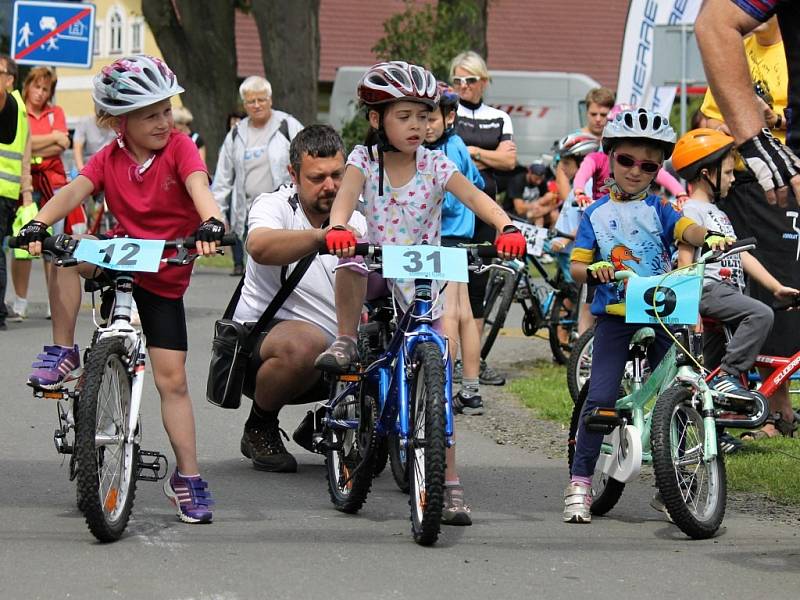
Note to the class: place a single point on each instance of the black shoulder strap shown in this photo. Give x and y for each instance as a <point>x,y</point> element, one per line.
<point>284,129</point>
<point>286,289</point>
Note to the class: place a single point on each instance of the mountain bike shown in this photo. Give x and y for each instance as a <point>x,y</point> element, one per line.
<point>404,393</point>
<point>552,304</point>
<point>669,420</point>
<point>98,412</point>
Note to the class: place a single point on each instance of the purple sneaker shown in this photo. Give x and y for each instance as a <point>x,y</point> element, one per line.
<point>190,496</point>
<point>55,366</point>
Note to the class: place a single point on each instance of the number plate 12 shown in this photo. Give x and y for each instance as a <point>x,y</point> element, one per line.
<point>677,300</point>
<point>122,254</point>
<point>425,262</point>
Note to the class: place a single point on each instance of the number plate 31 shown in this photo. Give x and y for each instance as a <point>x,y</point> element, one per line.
<point>122,254</point>
<point>425,262</point>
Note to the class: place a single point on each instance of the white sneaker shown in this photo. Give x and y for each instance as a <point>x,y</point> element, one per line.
<point>18,310</point>
<point>578,503</point>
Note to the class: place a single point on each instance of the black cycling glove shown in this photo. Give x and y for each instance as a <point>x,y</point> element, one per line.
<point>211,230</point>
<point>771,162</point>
<point>32,231</point>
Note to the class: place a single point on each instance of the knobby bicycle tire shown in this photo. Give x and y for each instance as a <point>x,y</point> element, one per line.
<point>350,457</point>
<point>106,511</point>
<point>426,463</point>
<point>673,417</point>
<point>607,491</point>
<point>556,319</point>
<point>499,296</point>
<point>580,363</point>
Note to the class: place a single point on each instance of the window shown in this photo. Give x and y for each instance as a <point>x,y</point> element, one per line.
<point>97,42</point>
<point>137,37</point>
<point>115,32</point>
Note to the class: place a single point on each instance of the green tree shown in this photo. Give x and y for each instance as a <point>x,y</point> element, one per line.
<point>429,35</point>
<point>432,34</point>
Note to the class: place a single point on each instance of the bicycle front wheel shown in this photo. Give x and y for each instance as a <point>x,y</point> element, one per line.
<point>499,296</point>
<point>579,366</point>
<point>106,462</point>
<point>693,488</point>
<point>427,444</point>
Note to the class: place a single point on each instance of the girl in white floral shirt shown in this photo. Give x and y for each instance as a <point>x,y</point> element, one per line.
<point>403,186</point>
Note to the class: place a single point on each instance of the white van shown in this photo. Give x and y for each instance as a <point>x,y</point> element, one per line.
<point>543,106</point>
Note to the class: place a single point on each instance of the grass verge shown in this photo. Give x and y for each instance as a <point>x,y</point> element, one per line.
<point>766,466</point>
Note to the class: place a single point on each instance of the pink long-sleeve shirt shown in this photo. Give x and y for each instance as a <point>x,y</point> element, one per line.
<point>596,166</point>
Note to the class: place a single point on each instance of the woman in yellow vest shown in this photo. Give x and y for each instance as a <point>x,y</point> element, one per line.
<point>15,163</point>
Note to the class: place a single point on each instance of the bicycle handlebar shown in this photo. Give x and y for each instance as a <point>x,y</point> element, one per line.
<point>59,243</point>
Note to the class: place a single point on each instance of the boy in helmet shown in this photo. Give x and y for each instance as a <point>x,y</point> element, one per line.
<point>628,229</point>
<point>704,158</point>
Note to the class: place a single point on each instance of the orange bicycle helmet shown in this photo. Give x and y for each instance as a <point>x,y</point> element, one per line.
<point>700,149</point>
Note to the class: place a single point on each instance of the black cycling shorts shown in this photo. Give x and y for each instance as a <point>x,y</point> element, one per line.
<point>476,287</point>
<point>317,393</point>
<point>163,320</point>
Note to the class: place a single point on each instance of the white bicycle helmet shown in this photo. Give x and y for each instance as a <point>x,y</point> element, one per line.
<point>577,145</point>
<point>398,80</point>
<point>133,82</point>
<point>639,124</point>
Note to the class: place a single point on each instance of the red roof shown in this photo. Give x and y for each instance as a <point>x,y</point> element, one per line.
<point>535,35</point>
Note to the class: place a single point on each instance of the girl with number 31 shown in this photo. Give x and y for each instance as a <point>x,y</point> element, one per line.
<point>403,185</point>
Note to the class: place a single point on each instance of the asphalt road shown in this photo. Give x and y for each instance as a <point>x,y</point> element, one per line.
<point>277,535</point>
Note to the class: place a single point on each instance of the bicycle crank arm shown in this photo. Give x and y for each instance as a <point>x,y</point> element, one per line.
<point>151,466</point>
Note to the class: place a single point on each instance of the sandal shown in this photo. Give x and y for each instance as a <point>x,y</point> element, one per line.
<point>787,428</point>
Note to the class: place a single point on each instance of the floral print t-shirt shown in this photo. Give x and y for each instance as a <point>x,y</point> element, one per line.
<point>411,214</point>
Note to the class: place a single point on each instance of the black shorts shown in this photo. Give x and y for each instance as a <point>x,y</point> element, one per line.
<point>163,320</point>
<point>318,392</point>
<point>476,287</point>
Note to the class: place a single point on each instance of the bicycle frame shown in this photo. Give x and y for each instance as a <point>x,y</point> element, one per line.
<point>388,375</point>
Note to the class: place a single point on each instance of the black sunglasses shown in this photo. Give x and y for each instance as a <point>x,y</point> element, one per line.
<point>627,161</point>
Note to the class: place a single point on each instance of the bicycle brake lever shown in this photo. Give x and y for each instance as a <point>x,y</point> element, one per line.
<point>182,257</point>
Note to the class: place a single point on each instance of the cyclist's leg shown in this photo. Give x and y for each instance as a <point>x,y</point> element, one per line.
<point>469,399</point>
<point>612,336</point>
<point>351,290</point>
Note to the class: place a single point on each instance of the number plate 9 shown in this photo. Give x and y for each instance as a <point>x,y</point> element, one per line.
<point>122,254</point>
<point>425,262</point>
<point>675,299</point>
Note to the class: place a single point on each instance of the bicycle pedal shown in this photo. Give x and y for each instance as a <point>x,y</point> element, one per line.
<point>324,446</point>
<point>605,420</point>
<point>61,443</point>
<point>151,466</point>
<point>48,394</point>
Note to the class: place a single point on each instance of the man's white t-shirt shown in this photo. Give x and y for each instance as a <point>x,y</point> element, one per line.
<point>313,298</point>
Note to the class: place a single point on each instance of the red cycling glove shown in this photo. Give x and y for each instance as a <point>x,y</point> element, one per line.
<point>512,242</point>
<point>339,238</point>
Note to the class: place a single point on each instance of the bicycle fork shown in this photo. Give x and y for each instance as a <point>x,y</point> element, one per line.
<point>699,388</point>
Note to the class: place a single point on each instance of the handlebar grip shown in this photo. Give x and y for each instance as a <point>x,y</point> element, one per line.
<point>12,242</point>
<point>487,251</point>
<point>750,241</point>
<point>229,239</point>
<point>786,303</point>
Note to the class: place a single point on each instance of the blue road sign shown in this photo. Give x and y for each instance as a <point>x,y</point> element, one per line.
<point>53,33</point>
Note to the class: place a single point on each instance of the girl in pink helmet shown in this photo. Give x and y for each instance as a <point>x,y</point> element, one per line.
<point>402,184</point>
<point>596,167</point>
<point>156,185</point>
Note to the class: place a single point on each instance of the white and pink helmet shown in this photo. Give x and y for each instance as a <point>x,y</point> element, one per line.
<point>133,82</point>
<point>397,80</point>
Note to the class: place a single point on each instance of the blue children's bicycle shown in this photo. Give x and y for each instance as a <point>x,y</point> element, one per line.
<point>404,392</point>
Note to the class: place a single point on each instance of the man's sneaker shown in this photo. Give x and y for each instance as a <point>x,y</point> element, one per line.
<point>729,444</point>
<point>458,371</point>
<point>264,446</point>
<point>19,310</point>
<point>730,387</point>
<point>467,403</point>
<point>340,357</point>
<point>578,503</point>
<point>454,511</point>
<point>190,496</point>
<point>488,376</point>
<point>55,366</point>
